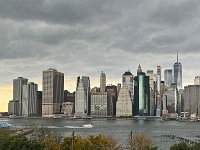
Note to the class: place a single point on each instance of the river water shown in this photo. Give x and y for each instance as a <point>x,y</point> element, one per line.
<point>159,131</point>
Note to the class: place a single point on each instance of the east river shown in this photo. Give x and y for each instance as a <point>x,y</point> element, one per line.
<point>163,133</point>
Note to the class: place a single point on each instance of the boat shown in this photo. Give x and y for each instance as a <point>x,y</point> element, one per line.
<point>88,126</point>
<point>57,117</point>
<point>81,127</point>
<point>15,117</point>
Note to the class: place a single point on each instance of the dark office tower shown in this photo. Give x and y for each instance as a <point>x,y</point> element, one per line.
<point>168,77</point>
<point>177,74</point>
<point>70,97</point>
<point>18,91</point>
<point>103,82</point>
<point>53,92</point>
<point>141,94</point>
<point>112,98</point>
<point>39,103</point>
<point>83,97</point>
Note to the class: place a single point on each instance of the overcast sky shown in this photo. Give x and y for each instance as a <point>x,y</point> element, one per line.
<point>84,37</point>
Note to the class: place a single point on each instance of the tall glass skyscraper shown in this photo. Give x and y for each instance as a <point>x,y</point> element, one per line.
<point>177,74</point>
<point>141,95</point>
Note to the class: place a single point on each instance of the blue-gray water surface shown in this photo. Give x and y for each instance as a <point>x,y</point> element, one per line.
<point>120,128</point>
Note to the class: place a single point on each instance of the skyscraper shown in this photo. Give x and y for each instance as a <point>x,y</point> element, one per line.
<point>197,80</point>
<point>29,99</point>
<point>127,81</point>
<point>177,74</point>
<point>141,94</point>
<point>168,78</point>
<point>192,100</point>
<point>102,82</point>
<point>53,92</point>
<point>82,97</point>
<point>99,104</point>
<point>18,91</point>
<point>112,99</point>
<point>152,84</point>
<point>124,103</point>
<point>158,92</point>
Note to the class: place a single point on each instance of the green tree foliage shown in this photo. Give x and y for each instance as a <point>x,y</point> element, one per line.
<point>185,146</point>
<point>195,146</point>
<point>140,142</point>
<point>10,141</point>
<point>98,142</point>
<point>180,146</point>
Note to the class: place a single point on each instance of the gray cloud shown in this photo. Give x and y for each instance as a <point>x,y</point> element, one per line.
<point>83,37</point>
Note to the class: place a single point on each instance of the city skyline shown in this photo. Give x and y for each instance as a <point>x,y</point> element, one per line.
<point>84,38</point>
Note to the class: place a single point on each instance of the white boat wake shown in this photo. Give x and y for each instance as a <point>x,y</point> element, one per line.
<point>80,127</point>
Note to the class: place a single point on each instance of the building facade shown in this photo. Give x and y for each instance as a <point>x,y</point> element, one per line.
<point>83,97</point>
<point>141,95</point>
<point>127,81</point>
<point>177,74</point>
<point>158,92</point>
<point>170,101</point>
<point>102,82</point>
<point>39,103</point>
<point>29,100</point>
<point>67,108</point>
<point>112,99</point>
<point>99,104</point>
<point>197,80</point>
<point>53,92</point>
<point>192,100</point>
<point>13,107</point>
<point>168,78</point>
<point>18,90</point>
<point>124,103</point>
<point>152,84</point>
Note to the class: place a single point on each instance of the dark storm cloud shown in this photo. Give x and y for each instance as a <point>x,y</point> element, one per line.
<point>59,11</point>
<point>87,36</point>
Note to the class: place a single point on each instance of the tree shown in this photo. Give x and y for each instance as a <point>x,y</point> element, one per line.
<point>180,146</point>
<point>140,142</point>
<point>98,142</point>
<point>195,146</point>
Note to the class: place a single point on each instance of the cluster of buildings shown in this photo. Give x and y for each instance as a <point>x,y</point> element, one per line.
<point>144,94</point>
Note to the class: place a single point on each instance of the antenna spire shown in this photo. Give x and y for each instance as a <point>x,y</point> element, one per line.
<point>177,56</point>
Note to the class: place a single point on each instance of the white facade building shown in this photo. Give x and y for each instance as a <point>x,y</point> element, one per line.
<point>18,91</point>
<point>127,81</point>
<point>13,107</point>
<point>124,103</point>
<point>80,100</point>
<point>29,100</point>
<point>82,97</point>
